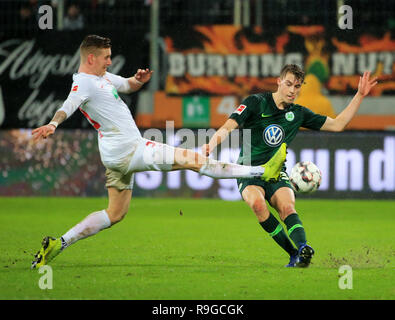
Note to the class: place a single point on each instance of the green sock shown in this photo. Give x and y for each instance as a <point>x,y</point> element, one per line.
<point>272,226</point>
<point>295,229</point>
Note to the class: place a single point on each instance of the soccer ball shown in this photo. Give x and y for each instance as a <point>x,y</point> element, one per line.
<point>305,177</point>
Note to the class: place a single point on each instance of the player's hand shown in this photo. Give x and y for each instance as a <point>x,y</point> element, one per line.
<point>43,132</point>
<point>143,75</point>
<point>206,150</point>
<point>366,84</point>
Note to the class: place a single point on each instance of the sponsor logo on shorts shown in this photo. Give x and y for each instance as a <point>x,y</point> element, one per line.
<point>75,88</point>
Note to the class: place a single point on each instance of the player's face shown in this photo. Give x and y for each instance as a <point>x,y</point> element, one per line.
<point>289,87</point>
<point>102,61</point>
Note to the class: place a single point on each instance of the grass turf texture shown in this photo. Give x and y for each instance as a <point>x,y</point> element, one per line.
<point>212,250</point>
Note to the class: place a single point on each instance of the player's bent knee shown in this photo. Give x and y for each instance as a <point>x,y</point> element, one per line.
<point>118,207</point>
<point>116,216</point>
<point>260,209</point>
<point>258,206</point>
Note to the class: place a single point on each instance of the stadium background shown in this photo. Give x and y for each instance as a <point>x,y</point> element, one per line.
<point>207,55</point>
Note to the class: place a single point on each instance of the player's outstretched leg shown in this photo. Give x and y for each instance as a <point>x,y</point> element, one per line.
<point>187,159</point>
<point>50,248</point>
<point>274,165</point>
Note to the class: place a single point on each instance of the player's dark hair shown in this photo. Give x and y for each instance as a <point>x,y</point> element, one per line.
<point>294,69</point>
<point>92,44</point>
<point>94,41</point>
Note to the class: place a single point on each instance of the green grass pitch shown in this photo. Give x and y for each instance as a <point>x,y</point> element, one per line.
<point>212,250</point>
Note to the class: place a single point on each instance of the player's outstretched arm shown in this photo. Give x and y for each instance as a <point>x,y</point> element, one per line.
<point>219,136</point>
<point>44,131</point>
<point>141,76</point>
<point>340,122</point>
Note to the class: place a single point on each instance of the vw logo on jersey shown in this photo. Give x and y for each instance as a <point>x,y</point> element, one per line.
<point>273,135</point>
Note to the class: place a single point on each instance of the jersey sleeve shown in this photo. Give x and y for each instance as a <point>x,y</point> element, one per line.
<point>244,110</point>
<point>120,83</point>
<point>78,96</point>
<point>312,120</point>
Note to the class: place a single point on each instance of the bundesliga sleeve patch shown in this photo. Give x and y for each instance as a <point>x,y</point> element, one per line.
<point>75,88</point>
<point>240,109</point>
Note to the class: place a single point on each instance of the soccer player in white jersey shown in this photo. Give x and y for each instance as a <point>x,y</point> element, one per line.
<point>123,150</point>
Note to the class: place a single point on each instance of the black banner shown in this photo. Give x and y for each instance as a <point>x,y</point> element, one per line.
<point>36,75</point>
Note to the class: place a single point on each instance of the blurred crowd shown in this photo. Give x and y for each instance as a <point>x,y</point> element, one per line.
<point>20,17</point>
<point>67,164</point>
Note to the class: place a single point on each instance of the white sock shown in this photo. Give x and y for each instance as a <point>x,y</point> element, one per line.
<point>222,170</point>
<point>91,225</point>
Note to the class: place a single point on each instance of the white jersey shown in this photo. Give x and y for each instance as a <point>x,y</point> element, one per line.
<point>97,98</point>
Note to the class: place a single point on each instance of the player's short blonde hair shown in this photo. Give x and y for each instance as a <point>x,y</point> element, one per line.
<point>93,44</point>
<point>294,69</point>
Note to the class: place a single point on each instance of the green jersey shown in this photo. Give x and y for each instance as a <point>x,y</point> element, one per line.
<point>270,126</point>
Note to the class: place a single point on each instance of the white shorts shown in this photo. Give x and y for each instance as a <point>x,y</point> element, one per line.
<point>151,156</point>
<point>145,155</point>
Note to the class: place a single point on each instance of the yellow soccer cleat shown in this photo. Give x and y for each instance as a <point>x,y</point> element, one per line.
<point>274,165</point>
<point>51,247</point>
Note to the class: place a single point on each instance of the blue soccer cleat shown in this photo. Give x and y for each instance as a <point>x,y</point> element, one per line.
<point>305,253</point>
<point>293,260</point>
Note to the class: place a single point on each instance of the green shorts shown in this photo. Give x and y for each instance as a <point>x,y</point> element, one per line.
<point>269,187</point>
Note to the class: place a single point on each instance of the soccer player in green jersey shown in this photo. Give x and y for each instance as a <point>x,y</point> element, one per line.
<point>273,119</point>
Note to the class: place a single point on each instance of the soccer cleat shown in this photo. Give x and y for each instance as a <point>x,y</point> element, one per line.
<point>293,260</point>
<point>305,254</point>
<point>51,247</point>
<point>274,165</point>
